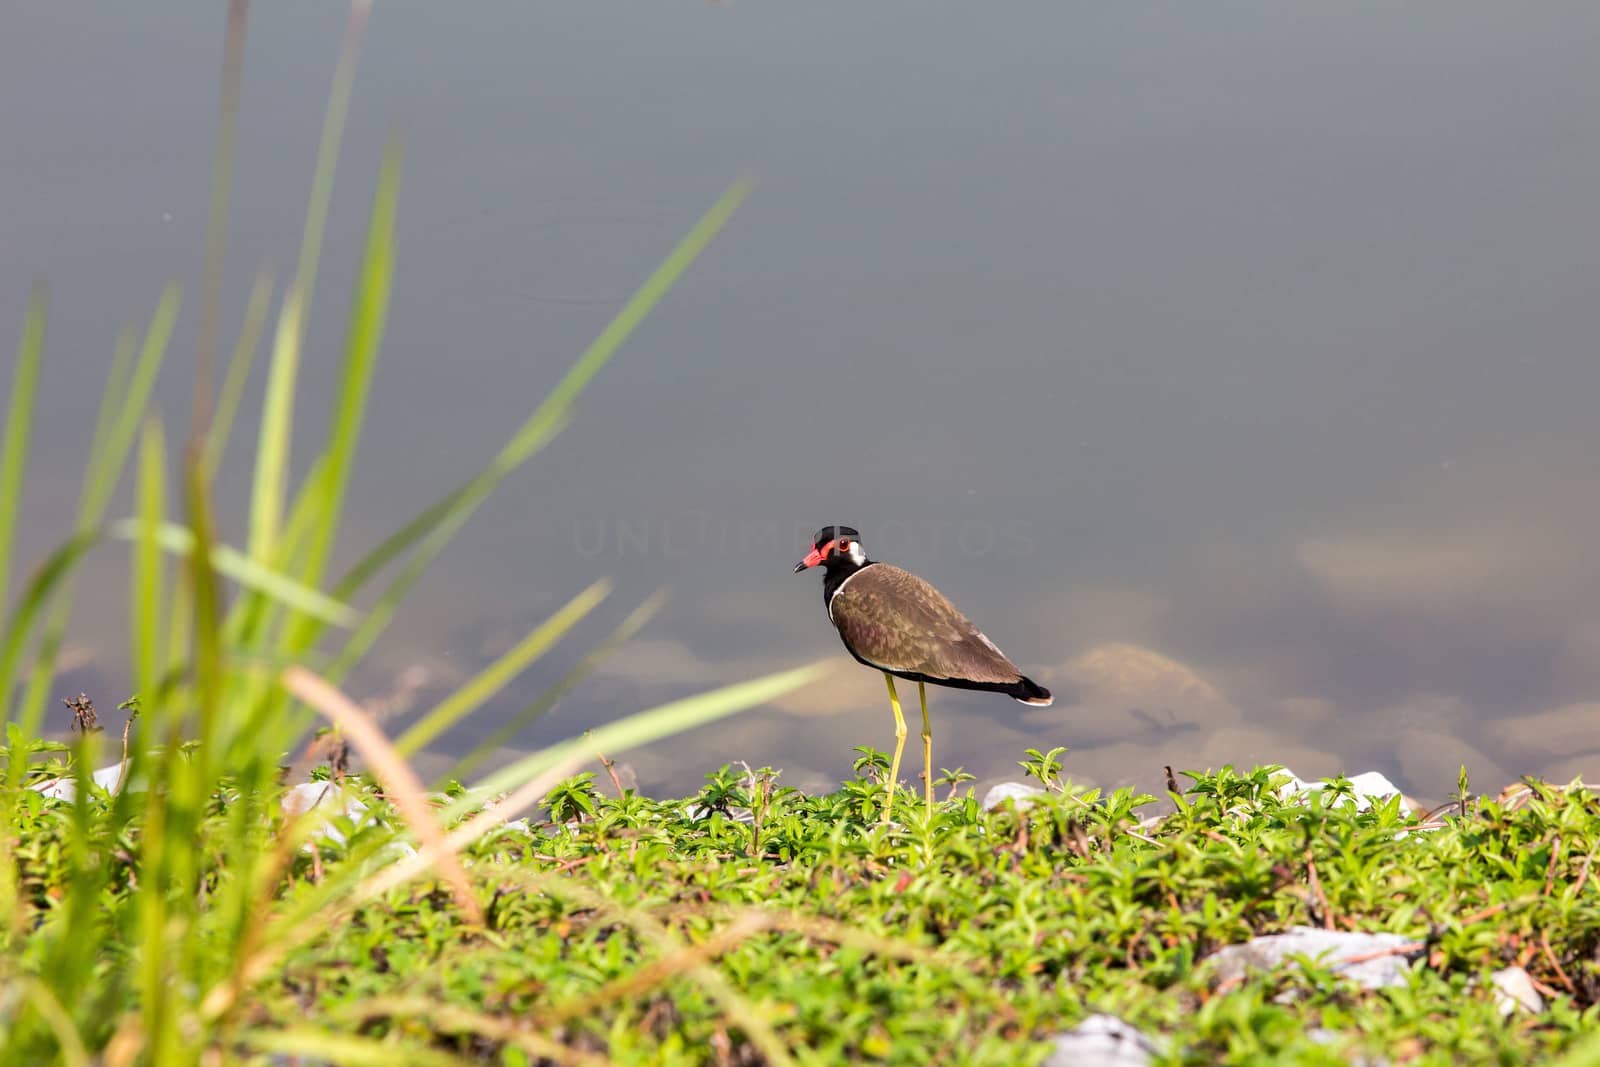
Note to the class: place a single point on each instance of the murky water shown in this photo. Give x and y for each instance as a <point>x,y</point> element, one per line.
<point>1235,368</point>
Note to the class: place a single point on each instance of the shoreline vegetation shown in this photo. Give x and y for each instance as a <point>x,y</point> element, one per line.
<point>192,904</point>
<point>752,923</point>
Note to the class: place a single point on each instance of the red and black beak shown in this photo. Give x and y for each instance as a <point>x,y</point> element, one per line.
<point>815,556</point>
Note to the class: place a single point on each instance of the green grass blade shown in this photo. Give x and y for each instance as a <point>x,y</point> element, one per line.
<point>641,729</point>
<point>116,386</point>
<point>325,1046</point>
<point>208,662</point>
<point>248,623</point>
<point>18,430</point>
<point>239,367</point>
<point>32,601</point>
<point>546,420</point>
<point>493,678</point>
<point>1586,1053</point>
<point>120,419</point>
<point>105,465</point>
<point>344,76</point>
<point>277,422</point>
<point>178,627</point>
<point>364,337</point>
<point>642,302</point>
<point>398,543</point>
<point>148,572</point>
<point>216,244</point>
<point>235,565</point>
<point>277,415</point>
<point>509,729</point>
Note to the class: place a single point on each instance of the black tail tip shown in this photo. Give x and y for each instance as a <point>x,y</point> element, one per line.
<point>1028,691</point>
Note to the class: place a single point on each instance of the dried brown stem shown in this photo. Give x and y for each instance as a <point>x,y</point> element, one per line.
<point>400,782</point>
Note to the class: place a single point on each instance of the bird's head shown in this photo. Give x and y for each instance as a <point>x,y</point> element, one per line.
<point>834,546</point>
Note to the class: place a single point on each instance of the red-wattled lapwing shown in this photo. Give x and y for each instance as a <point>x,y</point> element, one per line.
<point>894,621</point>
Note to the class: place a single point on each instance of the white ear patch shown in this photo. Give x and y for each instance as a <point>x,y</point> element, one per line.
<point>857,556</point>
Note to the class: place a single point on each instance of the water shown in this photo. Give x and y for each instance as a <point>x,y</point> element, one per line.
<point>1232,367</point>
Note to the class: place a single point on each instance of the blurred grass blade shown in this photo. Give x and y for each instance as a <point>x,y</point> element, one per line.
<point>120,418</point>
<point>18,430</point>
<point>231,563</point>
<point>477,1025</point>
<point>398,543</point>
<point>208,665</point>
<point>363,338</point>
<point>324,1046</point>
<point>116,386</point>
<point>247,621</point>
<point>494,677</point>
<point>349,886</point>
<point>277,422</point>
<point>344,76</point>
<point>239,366</point>
<point>1586,1053</point>
<point>536,430</point>
<point>277,414</point>
<point>509,729</point>
<point>527,780</point>
<point>534,433</point>
<point>33,599</point>
<point>643,728</point>
<point>216,242</point>
<point>148,572</point>
<point>105,465</point>
<point>55,1015</point>
<point>400,782</point>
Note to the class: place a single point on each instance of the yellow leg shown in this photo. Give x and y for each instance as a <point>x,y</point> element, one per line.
<point>927,753</point>
<point>899,746</point>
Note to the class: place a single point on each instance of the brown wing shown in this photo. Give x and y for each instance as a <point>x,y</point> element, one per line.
<point>896,621</point>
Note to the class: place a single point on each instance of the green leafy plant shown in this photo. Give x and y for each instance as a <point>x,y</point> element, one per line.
<point>954,779</point>
<point>573,799</point>
<point>871,763</point>
<point>1045,766</point>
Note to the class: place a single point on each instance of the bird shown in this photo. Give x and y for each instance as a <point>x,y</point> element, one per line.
<point>893,621</point>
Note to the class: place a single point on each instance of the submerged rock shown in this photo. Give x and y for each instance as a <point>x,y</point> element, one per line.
<point>1372,961</point>
<point>1103,1041</point>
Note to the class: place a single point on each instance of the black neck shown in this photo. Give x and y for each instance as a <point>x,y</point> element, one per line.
<point>838,568</point>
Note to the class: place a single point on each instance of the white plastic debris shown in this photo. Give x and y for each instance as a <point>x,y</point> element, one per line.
<point>1020,793</point>
<point>333,801</point>
<point>1513,989</point>
<point>1367,787</point>
<point>1103,1041</point>
<point>67,788</point>
<point>1372,961</point>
